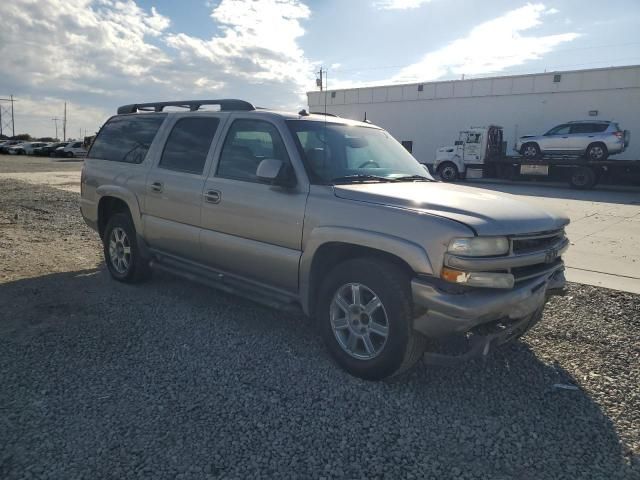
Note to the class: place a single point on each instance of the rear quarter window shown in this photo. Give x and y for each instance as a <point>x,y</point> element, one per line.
<point>126,138</point>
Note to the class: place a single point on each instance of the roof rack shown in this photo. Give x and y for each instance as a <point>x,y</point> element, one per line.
<point>593,120</point>
<point>193,105</point>
<point>324,113</point>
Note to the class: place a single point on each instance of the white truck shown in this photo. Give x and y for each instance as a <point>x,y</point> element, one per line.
<point>481,152</point>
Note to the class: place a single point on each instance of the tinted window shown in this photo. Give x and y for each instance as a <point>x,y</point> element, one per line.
<point>559,130</point>
<point>188,144</point>
<point>126,138</point>
<point>408,144</point>
<point>247,144</point>
<point>588,127</point>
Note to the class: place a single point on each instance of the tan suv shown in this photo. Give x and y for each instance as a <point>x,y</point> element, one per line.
<point>327,214</point>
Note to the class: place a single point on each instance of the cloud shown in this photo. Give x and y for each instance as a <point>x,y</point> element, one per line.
<point>104,53</point>
<point>490,47</point>
<point>399,4</point>
<point>258,42</point>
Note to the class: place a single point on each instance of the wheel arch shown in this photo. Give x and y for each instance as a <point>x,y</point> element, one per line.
<point>332,245</point>
<point>600,143</point>
<point>117,200</point>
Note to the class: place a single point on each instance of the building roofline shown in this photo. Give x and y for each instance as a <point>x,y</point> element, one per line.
<point>432,82</point>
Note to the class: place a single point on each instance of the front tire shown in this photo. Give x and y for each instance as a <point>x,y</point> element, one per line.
<point>448,172</point>
<point>365,315</point>
<point>121,252</point>
<point>530,150</point>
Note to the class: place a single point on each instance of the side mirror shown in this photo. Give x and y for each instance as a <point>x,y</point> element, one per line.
<point>458,142</point>
<point>275,172</point>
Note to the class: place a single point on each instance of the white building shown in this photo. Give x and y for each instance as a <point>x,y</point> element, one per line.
<point>430,115</point>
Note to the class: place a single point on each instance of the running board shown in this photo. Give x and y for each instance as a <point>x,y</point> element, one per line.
<point>227,283</point>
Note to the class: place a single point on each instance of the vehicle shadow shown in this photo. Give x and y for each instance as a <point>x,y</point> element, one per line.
<point>622,196</point>
<point>98,374</point>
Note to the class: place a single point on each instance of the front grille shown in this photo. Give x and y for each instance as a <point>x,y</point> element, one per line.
<point>534,243</point>
<point>531,271</point>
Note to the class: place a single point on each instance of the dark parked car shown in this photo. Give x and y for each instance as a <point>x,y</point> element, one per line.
<point>4,148</point>
<point>48,150</point>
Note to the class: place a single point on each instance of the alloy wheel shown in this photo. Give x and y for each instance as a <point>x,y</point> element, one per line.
<point>596,152</point>
<point>119,250</point>
<point>530,151</point>
<point>359,321</point>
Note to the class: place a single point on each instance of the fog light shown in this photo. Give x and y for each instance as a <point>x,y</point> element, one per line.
<point>478,279</point>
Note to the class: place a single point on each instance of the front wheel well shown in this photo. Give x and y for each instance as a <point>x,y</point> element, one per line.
<point>331,254</point>
<point>107,207</point>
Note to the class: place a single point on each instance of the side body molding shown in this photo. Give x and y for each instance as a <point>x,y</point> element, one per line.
<point>412,253</point>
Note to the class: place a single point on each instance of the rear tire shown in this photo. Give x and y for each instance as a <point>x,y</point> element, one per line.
<point>597,152</point>
<point>582,178</point>
<point>121,251</point>
<point>448,172</point>
<point>393,346</point>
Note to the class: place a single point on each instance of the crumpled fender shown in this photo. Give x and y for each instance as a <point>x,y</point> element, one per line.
<point>411,253</point>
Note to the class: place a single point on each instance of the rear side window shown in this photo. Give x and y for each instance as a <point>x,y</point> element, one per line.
<point>126,138</point>
<point>589,127</point>
<point>188,144</point>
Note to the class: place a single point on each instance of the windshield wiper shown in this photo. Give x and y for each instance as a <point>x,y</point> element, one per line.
<point>360,177</point>
<point>413,178</point>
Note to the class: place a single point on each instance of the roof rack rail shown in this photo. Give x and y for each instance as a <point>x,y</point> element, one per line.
<point>227,104</point>
<point>324,113</point>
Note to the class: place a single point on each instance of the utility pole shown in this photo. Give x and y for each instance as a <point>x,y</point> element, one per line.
<point>64,124</point>
<point>319,80</point>
<point>13,126</point>
<point>55,119</point>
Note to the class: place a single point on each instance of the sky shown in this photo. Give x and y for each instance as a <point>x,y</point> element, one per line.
<point>99,54</point>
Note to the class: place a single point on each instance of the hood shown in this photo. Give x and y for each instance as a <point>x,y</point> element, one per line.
<point>486,212</point>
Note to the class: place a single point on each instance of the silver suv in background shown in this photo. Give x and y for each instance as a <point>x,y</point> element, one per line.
<point>331,215</point>
<point>596,139</point>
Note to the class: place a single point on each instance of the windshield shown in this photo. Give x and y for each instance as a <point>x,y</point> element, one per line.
<point>341,153</point>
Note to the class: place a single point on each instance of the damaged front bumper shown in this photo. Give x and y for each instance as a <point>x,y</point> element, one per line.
<point>504,313</point>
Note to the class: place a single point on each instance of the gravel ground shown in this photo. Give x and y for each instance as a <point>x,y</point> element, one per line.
<point>174,380</point>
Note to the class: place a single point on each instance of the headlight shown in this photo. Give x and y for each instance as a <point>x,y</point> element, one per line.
<point>479,246</point>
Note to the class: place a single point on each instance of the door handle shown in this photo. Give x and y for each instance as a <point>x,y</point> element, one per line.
<point>565,137</point>
<point>213,196</point>
<point>157,187</point>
